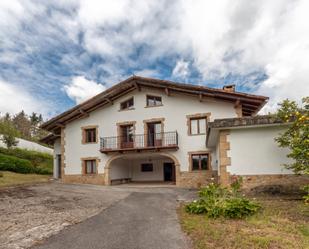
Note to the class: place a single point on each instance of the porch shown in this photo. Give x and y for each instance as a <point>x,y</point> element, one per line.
<point>146,168</point>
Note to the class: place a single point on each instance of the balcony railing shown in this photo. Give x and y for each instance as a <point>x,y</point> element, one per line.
<point>162,140</point>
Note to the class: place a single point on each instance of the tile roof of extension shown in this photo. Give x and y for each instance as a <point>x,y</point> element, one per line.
<point>251,104</point>
<point>245,121</point>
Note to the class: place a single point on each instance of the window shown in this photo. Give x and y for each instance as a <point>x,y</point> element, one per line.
<point>90,135</point>
<point>200,161</point>
<point>146,167</point>
<point>127,136</point>
<point>197,126</point>
<point>90,166</point>
<point>128,104</point>
<point>154,100</point>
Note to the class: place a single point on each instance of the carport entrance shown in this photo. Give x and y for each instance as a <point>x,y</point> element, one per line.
<point>144,167</point>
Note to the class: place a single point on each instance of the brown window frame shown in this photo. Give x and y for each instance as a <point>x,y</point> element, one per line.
<point>198,125</point>
<point>127,102</point>
<point>200,161</point>
<point>94,166</point>
<point>94,136</point>
<point>154,97</point>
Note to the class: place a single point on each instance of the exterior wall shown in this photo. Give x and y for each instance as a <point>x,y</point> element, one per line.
<point>253,151</point>
<point>253,154</point>
<point>174,110</point>
<point>57,151</point>
<point>156,175</point>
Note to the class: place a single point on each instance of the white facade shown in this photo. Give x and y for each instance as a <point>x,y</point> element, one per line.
<point>253,151</point>
<point>174,110</point>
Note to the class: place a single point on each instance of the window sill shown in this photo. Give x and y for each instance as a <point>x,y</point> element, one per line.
<point>150,106</point>
<point>89,142</point>
<point>128,109</point>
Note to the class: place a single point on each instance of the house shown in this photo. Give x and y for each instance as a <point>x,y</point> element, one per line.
<point>146,130</point>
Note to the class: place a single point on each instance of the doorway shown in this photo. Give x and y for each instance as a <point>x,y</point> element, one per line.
<point>127,134</point>
<point>169,172</point>
<point>58,165</point>
<point>154,134</point>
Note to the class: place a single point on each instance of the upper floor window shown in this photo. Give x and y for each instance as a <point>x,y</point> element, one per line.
<point>197,126</point>
<point>89,134</point>
<point>154,100</point>
<point>200,162</point>
<point>126,105</point>
<point>90,166</point>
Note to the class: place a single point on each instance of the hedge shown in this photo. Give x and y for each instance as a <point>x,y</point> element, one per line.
<point>18,165</point>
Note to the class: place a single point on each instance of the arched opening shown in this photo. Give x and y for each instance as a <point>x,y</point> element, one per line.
<point>142,168</point>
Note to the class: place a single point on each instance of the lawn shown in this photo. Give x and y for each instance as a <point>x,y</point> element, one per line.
<point>280,224</point>
<point>10,178</point>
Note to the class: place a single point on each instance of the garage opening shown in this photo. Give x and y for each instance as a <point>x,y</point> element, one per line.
<point>142,168</point>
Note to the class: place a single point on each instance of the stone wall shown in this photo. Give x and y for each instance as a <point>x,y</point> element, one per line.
<point>252,181</point>
<point>97,179</point>
<point>196,179</point>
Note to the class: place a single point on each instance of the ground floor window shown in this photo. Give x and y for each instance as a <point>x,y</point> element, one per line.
<point>200,161</point>
<point>90,166</point>
<point>147,167</point>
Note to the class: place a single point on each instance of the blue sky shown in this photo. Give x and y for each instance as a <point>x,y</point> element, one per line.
<point>54,54</point>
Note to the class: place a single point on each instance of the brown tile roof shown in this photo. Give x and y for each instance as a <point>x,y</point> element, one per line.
<point>251,104</point>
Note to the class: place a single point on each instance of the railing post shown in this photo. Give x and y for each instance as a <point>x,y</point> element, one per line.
<point>176,138</point>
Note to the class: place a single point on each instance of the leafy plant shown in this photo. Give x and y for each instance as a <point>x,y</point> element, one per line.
<point>306,196</point>
<point>216,201</point>
<point>296,137</point>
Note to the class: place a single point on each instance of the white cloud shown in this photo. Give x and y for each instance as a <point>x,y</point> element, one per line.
<point>14,98</point>
<point>181,69</point>
<point>81,89</point>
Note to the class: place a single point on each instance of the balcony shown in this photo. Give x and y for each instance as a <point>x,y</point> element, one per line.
<point>140,142</point>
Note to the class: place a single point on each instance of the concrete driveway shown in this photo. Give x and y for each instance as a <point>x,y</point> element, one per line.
<point>88,216</point>
<point>146,218</point>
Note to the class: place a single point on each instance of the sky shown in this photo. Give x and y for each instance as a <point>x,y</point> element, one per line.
<point>56,54</point>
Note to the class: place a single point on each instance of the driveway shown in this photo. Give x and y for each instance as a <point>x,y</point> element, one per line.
<point>94,217</point>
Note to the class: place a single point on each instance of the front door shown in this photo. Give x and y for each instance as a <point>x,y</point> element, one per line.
<point>154,134</point>
<point>169,172</point>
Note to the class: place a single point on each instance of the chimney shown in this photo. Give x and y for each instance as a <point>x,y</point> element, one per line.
<point>229,88</point>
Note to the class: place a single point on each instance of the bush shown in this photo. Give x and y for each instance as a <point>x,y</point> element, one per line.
<point>43,162</point>
<point>1,174</point>
<point>18,165</point>
<point>306,196</point>
<point>11,163</point>
<point>216,201</point>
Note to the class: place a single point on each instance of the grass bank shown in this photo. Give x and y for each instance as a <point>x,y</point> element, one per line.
<point>11,179</point>
<point>280,224</point>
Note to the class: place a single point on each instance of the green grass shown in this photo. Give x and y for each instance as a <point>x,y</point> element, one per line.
<point>11,179</point>
<point>280,224</point>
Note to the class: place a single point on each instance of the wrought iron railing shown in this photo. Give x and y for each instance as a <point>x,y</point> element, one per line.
<point>140,141</point>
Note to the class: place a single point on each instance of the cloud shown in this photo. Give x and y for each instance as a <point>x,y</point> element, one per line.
<point>181,69</point>
<point>81,89</point>
<point>263,46</point>
<point>14,98</point>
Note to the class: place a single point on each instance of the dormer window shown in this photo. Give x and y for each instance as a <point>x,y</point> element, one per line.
<point>154,101</point>
<point>127,105</point>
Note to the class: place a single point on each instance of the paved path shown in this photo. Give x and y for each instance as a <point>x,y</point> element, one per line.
<point>143,220</point>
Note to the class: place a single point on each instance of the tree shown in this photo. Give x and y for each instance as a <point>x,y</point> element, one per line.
<point>9,133</point>
<point>22,124</point>
<point>296,137</point>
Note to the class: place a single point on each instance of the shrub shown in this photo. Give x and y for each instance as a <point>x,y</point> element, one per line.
<point>43,162</point>
<point>216,201</point>
<point>11,163</point>
<point>306,196</point>
<point>1,174</point>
